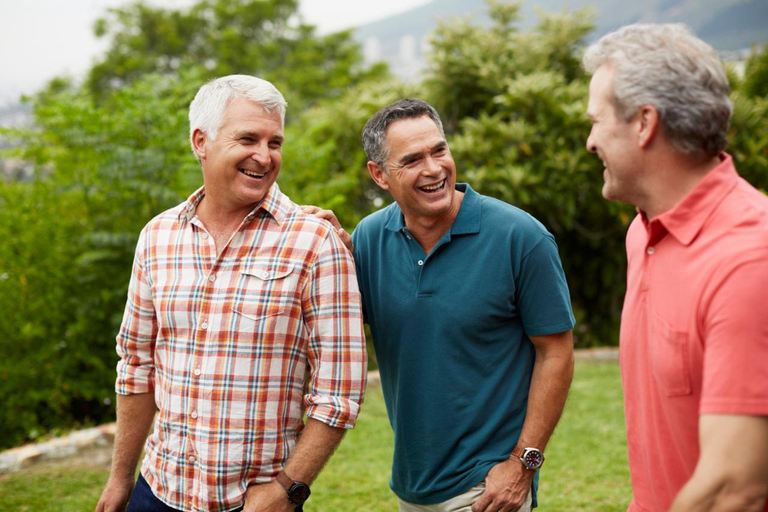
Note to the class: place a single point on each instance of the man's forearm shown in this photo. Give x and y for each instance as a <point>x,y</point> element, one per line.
<point>134,419</point>
<point>732,472</point>
<point>317,443</point>
<point>508,483</point>
<point>550,382</point>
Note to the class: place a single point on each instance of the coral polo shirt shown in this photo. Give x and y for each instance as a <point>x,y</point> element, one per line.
<point>694,329</point>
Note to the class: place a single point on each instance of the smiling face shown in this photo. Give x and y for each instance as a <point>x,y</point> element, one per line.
<point>614,141</point>
<point>243,161</point>
<point>422,174</point>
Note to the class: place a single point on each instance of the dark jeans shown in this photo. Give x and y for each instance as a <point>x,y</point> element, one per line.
<point>144,500</point>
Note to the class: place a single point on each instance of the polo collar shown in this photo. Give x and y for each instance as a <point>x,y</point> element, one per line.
<point>275,203</point>
<point>467,221</point>
<point>685,220</point>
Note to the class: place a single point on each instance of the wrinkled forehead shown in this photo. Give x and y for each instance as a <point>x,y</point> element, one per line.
<point>414,131</point>
<point>246,111</point>
<point>600,89</point>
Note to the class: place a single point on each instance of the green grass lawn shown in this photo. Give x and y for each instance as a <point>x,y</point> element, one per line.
<point>586,466</point>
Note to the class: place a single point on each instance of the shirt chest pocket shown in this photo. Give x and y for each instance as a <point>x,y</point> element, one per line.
<point>670,358</point>
<point>266,290</point>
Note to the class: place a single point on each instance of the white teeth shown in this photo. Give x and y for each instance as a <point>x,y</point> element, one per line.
<point>253,174</point>
<point>432,188</point>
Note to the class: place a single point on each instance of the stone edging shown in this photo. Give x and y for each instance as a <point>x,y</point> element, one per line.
<point>19,458</point>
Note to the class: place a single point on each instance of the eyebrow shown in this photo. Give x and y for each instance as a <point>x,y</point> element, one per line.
<point>254,135</point>
<point>409,156</point>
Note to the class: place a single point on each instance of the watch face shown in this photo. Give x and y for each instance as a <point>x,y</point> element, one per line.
<point>299,492</point>
<point>533,458</point>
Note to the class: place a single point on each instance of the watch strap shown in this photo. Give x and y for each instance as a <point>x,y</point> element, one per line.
<point>518,451</point>
<point>284,480</point>
<point>522,454</point>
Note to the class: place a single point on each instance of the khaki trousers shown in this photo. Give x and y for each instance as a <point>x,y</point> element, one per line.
<point>461,503</point>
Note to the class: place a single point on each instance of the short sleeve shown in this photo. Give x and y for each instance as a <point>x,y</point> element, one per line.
<point>542,291</point>
<point>736,341</point>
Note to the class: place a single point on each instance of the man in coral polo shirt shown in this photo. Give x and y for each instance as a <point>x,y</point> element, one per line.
<point>694,334</point>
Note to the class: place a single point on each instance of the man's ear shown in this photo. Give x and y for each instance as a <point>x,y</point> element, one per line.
<point>378,175</point>
<point>198,142</point>
<point>648,120</point>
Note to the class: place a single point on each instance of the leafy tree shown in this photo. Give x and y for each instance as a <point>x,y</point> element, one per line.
<point>323,159</point>
<point>516,102</point>
<point>35,289</point>
<point>748,136</point>
<point>222,37</point>
<point>109,156</point>
<point>103,170</point>
<point>113,153</point>
<point>470,64</point>
<point>756,73</point>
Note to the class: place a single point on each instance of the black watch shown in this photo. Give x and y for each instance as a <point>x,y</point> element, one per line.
<point>532,458</point>
<point>298,492</point>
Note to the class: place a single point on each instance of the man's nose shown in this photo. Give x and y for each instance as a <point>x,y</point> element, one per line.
<point>591,142</point>
<point>261,155</point>
<point>431,165</point>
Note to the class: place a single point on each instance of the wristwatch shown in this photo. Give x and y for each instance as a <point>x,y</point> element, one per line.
<point>298,492</point>
<point>532,458</point>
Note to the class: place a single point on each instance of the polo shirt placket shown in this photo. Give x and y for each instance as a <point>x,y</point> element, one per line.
<point>424,279</point>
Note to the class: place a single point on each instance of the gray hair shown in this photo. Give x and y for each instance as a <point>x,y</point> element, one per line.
<point>206,112</point>
<point>375,130</point>
<point>679,74</point>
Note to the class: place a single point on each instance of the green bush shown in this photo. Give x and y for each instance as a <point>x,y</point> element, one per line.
<point>111,154</point>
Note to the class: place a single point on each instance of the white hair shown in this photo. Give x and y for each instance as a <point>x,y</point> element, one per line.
<point>664,65</point>
<point>206,111</point>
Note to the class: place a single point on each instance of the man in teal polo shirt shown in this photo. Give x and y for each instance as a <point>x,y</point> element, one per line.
<point>471,321</point>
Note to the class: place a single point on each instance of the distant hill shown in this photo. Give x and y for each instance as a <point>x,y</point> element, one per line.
<point>728,25</point>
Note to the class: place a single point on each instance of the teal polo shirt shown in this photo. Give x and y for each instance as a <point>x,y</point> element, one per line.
<point>450,330</point>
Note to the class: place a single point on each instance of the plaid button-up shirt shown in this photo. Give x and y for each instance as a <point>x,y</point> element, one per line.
<point>236,348</point>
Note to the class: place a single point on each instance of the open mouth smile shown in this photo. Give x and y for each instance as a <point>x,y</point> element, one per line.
<point>437,187</point>
<point>252,173</point>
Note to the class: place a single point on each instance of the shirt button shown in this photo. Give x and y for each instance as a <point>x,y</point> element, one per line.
<point>194,414</point>
<point>205,236</point>
<point>192,458</point>
<point>421,262</point>
<point>265,274</point>
<point>211,278</point>
<point>197,371</point>
<point>650,250</point>
<point>204,325</point>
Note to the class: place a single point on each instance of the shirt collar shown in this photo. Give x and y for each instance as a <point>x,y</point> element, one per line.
<point>466,222</point>
<point>468,219</point>
<point>275,203</point>
<point>189,207</point>
<point>685,220</point>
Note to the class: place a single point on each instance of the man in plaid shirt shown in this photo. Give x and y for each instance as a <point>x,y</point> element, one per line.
<point>243,315</point>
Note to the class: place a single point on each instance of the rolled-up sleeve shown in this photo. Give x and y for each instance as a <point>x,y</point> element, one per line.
<point>336,355</point>
<point>138,331</point>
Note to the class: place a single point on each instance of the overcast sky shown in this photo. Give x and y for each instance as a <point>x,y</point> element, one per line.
<point>40,39</point>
